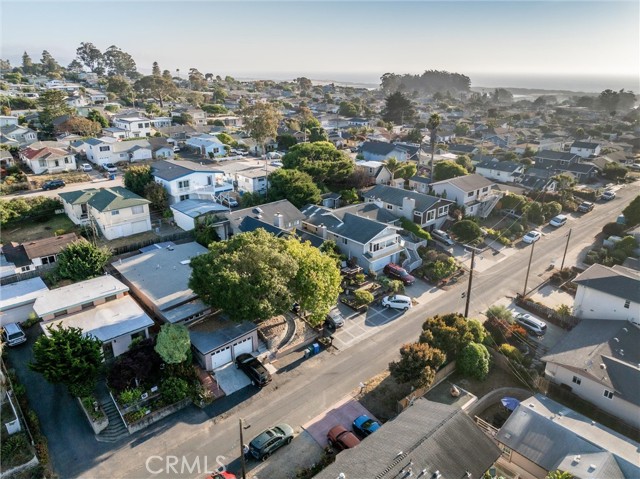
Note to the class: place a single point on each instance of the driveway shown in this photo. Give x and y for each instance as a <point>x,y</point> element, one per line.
<point>286,462</point>
<point>359,326</point>
<point>231,379</point>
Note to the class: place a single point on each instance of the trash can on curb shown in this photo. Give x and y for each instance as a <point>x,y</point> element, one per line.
<point>112,176</point>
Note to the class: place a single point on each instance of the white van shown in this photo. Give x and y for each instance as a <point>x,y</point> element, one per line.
<point>442,236</point>
<point>531,324</point>
<point>12,334</point>
<point>397,301</point>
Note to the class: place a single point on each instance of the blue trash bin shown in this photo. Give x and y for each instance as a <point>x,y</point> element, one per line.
<point>112,176</point>
<point>316,348</point>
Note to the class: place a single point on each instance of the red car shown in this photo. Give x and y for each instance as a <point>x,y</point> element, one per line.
<point>341,438</point>
<point>221,475</point>
<point>398,272</point>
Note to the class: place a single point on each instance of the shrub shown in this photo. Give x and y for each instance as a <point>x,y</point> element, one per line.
<point>130,396</point>
<point>173,390</point>
<point>511,352</point>
<point>362,297</point>
<point>414,228</point>
<point>613,229</point>
<point>466,230</point>
<point>473,361</point>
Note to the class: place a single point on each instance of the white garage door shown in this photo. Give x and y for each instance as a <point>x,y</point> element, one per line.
<point>221,357</point>
<point>139,227</point>
<point>244,346</point>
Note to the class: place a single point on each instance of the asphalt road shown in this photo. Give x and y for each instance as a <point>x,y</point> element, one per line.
<point>98,181</point>
<point>179,446</point>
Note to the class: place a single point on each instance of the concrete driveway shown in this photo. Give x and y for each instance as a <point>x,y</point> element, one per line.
<point>343,412</point>
<point>231,379</point>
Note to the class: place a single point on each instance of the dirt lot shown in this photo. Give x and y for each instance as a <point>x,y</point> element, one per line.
<point>381,395</point>
<point>31,230</point>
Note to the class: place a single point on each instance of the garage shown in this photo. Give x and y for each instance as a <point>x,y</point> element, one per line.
<point>139,227</point>
<point>244,346</point>
<point>221,357</point>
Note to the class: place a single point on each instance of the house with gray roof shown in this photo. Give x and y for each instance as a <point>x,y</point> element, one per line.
<point>541,436</point>
<point>372,244</point>
<point>474,192</point>
<point>585,149</point>
<point>503,171</point>
<point>429,212</point>
<point>16,303</point>
<point>115,211</point>
<point>599,361</point>
<point>278,217</point>
<point>555,159</point>
<point>187,213</point>
<point>428,440</point>
<point>609,293</point>
<point>382,151</point>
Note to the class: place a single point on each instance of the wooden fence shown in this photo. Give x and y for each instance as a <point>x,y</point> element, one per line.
<point>565,322</point>
<point>182,235</point>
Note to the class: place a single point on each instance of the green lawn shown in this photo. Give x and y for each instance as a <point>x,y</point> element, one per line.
<point>32,230</point>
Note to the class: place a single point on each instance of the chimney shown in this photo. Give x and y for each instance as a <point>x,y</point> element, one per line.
<point>323,231</point>
<point>278,220</point>
<point>408,205</point>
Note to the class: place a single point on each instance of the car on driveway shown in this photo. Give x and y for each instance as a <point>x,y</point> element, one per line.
<point>364,426</point>
<point>341,438</point>
<point>533,325</point>
<point>532,236</point>
<point>13,334</point>
<point>585,207</point>
<point>110,167</point>
<point>442,237</point>
<point>270,440</point>
<point>398,272</point>
<point>252,367</point>
<point>608,195</point>
<point>397,301</point>
<point>228,202</point>
<point>558,221</point>
<point>335,318</point>
<point>53,184</point>
<point>86,167</point>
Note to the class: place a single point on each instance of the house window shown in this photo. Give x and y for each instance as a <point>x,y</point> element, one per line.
<point>216,151</point>
<point>104,148</point>
<point>608,394</point>
<point>67,161</point>
<point>486,188</point>
<point>137,210</point>
<point>431,215</point>
<point>443,210</point>
<point>57,162</point>
<point>344,240</point>
<point>577,380</point>
<point>113,297</point>
<point>627,303</point>
<point>87,305</point>
<point>470,194</point>
<point>183,184</point>
<point>43,163</point>
<point>139,334</point>
<point>184,197</point>
<point>48,259</point>
<point>57,314</point>
<point>24,269</point>
<point>140,125</point>
<point>146,125</point>
<point>115,212</point>
<point>389,207</point>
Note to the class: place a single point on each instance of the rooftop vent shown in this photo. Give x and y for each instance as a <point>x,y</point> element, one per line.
<point>603,366</point>
<point>616,340</point>
<point>576,459</point>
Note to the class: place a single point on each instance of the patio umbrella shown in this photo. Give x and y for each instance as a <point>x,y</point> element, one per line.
<point>510,403</point>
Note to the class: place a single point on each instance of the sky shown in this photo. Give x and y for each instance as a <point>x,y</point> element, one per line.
<point>345,41</point>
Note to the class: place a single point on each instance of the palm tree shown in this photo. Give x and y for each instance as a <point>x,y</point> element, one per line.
<point>432,126</point>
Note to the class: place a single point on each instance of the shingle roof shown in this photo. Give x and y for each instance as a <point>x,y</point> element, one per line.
<point>555,155</point>
<point>378,147</point>
<point>462,148</point>
<point>48,246</point>
<point>115,198</point>
<point>468,182</point>
<point>585,144</point>
<point>358,228</point>
<point>506,166</point>
<point>172,169</point>
<point>394,196</point>
<point>620,282</point>
<point>433,436</point>
<point>78,197</point>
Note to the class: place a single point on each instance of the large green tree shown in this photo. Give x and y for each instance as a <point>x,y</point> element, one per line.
<point>118,62</point>
<point>451,332</point>
<point>120,86</point>
<point>418,364</point>
<point>160,88</point>
<point>448,169</point>
<point>398,109</point>
<point>91,57</point>
<point>82,260</point>
<point>137,177</point>
<point>95,115</point>
<point>322,160</point>
<point>296,186</point>
<point>632,212</point>
<point>79,126</point>
<point>432,126</point>
<point>261,122</point>
<point>173,343</point>
<point>53,103</point>
<point>66,356</point>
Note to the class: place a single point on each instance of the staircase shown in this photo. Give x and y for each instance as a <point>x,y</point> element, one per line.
<point>413,261</point>
<point>489,204</point>
<point>116,429</point>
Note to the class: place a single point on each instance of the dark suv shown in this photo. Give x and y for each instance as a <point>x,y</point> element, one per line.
<point>395,271</point>
<point>267,442</point>
<point>585,207</point>
<point>253,368</point>
<point>53,184</point>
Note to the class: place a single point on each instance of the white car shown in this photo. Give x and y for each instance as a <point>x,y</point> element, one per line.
<point>531,324</point>
<point>110,167</point>
<point>397,301</point>
<point>608,195</point>
<point>442,236</point>
<point>558,221</point>
<point>86,167</point>
<point>532,237</point>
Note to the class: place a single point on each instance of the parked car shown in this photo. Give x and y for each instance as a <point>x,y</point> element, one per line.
<point>335,318</point>
<point>443,237</point>
<point>635,166</point>
<point>267,442</point>
<point>400,273</point>
<point>228,202</point>
<point>531,324</point>
<point>110,167</point>
<point>397,301</point>
<point>558,221</point>
<point>363,426</point>
<point>252,367</point>
<point>532,236</point>
<point>585,207</point>
<point>608,195</point>
<point>277,163</point>
<point>13,334</point>
<point>86,167</point>
<point>53,184</point>
<point>341,438</point>
<point>221,475</point>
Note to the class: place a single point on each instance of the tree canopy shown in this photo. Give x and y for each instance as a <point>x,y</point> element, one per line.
<point>255,276</point>
<point>474,361</point>
<point>322,160</point>
<point>451,332</point>
<point>66,356</point>
<point>261,121</point>
<point>430,81</point>
<point>137,177</point>
<point>53,103</point>
<point>82,260</point>
<point>444,170</point>
<point>160,88</point>
<point>417,365</point>
<point>296,186</point>
<point>398,109</point>
<point>173,343</point>
<point>632,212</point>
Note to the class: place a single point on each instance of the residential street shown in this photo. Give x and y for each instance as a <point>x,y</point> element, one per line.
<point>98,181</point>
<point>298,395</point>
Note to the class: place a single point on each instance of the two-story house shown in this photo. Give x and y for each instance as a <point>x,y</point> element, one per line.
<point>134,126</point>
<point>503,171</point>
<point>476,193</point>
<point>608,293</point>
<point>98,150</point>
<point>199,116</point>
<point>375,171</point>
<point>185,180</point>
<point>585,149</point>
<point>22,135</point>
<point>115,211</point>
<point>558,160</point>
<point>48,159</point>
<point>372,244</point>
<point>429,212</point>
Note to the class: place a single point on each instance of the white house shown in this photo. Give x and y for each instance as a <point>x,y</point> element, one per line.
<point>375,171</point>
<point>99,150</point>
<point>185,180</point>
<point>598,361</point>
<point>187,212</point>
<point>109,150</point>
<point>101,307</point>
<point>608,294</point>
<point>585,149</point>
<point>503,171</point>
<point>116,211</point>
<point>134,126</point>
<point>31,255</point>
<point>6,120</point>
<point>207,145</point>
<point>48,159</point>
<point>474,192</point>
<point>16,303</point>
<point>247,176</point>
<point>161,122</point>
<point>97,97</point>
<point>21,134</point>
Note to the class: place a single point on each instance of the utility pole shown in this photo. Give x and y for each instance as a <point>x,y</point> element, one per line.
<point>466,307</point>
<point>242,452</point>
<point>526,280</point>
<point>566,247</point>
